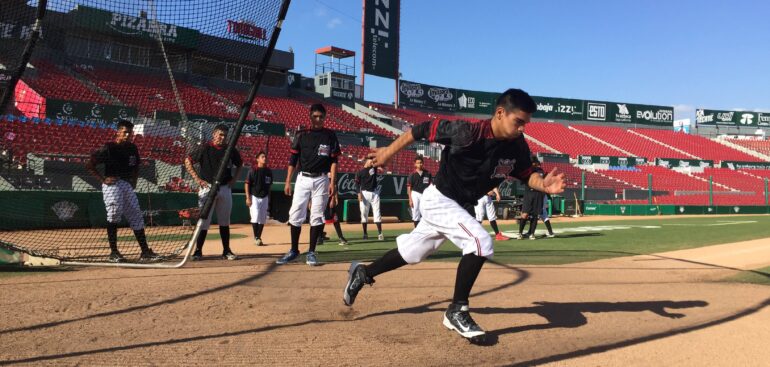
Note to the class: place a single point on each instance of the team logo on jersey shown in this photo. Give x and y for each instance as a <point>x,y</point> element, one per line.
<point>132,161</point>
<point>371,171</point>
<point>426,180</point>
<point>504,168</point>
<point>323,150</point>
<point>268,179</point>
<point>65,210</point>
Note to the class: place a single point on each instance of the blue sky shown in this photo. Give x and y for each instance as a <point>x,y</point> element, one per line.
<point>687,54</point>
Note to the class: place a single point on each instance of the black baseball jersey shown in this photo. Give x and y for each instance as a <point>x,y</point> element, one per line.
<point>419,182</point>
<point>209,156</point>
<point>473,162</point>
<point>120,160</point>
<point>316,150</point>
<point>366,179</point>
<point>260,180</point>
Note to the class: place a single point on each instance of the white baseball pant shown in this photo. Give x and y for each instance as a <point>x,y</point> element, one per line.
<point>485,204</point>
<point>371,199</point>
<point>120,200</point>
<point>258,209</point>
<point>306,188</point>
<point>416,198</point>
<point>443,219</point>
<point>223,205</point>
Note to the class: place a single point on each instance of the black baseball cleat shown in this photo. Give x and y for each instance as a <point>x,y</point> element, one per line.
<point>116,257</point>
<point>458,318</point>
<point>149,255</point>
<point>356,279</point>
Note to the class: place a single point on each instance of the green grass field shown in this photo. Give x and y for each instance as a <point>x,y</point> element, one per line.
<point>757,276</point>
<point>579,242</point>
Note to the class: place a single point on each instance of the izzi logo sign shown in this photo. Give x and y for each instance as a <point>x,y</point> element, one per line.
<point>597,111</point>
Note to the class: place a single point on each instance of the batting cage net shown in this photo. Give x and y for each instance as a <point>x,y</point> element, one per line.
<point>72,70</point>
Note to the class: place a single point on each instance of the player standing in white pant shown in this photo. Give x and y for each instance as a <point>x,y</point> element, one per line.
<point>209,156</point>
<point>316,150</point>
<point>418,181</point>
<point>476,158</point>
<point>257,190</point>
<point>369,197</point>
<point>121,171</point>
<point>487,205</point>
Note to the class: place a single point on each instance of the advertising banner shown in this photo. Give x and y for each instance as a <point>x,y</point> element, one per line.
<point>381,37</point>
<point>88,112</point>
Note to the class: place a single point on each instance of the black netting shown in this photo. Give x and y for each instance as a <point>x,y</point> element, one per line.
<point>174,68</point>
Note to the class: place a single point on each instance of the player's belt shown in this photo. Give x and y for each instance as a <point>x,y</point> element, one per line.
<point>312,174</point>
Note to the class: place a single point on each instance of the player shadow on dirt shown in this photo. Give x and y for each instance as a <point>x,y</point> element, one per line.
<point>180,298</point>
<point>572,315</point>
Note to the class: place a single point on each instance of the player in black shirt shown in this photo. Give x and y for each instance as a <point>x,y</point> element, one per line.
<point>208,156</point>
<point>316,150</point>
<point>369,197</point>
<point>533,208</point>
<point>257,190</point>
<point>418,181</point>
<point>121,171</point>
<point>476,158</point>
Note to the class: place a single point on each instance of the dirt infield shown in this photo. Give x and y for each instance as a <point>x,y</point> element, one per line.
<point>660,309</point>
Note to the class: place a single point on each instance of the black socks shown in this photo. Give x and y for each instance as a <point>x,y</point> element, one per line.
<point>390,261</point>
<point>467,272</point>
<point>315,233</point>
<point>224,232</point>
<point>295,231</point>
<point>379,228</point>
<point>493,223</point>
<point>112,236</point>
<point>257,229</point>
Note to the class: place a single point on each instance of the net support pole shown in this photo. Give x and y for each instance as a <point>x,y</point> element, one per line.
<point>25,56</point>
<point>582,185</point>
<point>767,194</point>
<point>649,189</point>
<point>711,190</point>
<point>232,139</point>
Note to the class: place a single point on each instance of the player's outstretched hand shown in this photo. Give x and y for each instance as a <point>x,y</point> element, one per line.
<point>110,180</point>
<point>287,189</point>
<point>554,182</point>
<point>380,156</point>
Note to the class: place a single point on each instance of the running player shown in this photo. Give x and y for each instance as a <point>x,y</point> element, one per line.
<point>418,181</point>
<point>476,158</point>
<point>369,197</point>
<point>257,190</point>
<point>486,205</point>
<point>121,171</point>
<point>316,150</point>
<point>209,157</point>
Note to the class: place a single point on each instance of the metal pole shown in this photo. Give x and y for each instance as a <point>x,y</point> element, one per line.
<point>363,47</point>
<point>649,189</point>
<point>582,185</point>
<point>25,56</point>
<point>767,194</point>
<point>711,190</point>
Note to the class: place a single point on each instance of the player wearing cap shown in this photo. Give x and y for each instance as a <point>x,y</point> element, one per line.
<point>476,158</point>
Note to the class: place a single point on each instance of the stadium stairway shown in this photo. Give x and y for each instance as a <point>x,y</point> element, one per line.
<point>664,144</point>
<point>759,146</point>
<point>539,146</point>
<point>91,85</point>
<point>601,141</point>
